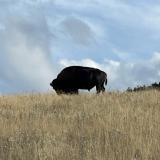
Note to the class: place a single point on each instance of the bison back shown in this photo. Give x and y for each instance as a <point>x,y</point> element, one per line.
<point>78,77</point>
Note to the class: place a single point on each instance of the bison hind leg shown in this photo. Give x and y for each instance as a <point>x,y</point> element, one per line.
<point>98,88</point>
<point>103,89</point>
<point>75,91</point>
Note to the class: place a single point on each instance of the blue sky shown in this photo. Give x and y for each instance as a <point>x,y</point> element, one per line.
<point>40,37</point>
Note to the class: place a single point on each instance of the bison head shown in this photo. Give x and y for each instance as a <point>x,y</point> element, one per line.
<point>56,85</point>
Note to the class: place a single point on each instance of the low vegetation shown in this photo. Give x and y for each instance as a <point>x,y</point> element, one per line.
<point>112,126</point>
<point>144,87</point>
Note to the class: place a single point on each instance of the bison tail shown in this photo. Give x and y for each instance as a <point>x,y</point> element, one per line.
<point>106,81</point>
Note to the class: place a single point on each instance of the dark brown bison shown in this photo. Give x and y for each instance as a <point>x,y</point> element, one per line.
<point>72,78</point>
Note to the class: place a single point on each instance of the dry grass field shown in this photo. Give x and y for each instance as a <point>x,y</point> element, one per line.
<point>113,126</point>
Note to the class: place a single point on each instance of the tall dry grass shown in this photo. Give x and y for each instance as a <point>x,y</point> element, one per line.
<point>113,126</point>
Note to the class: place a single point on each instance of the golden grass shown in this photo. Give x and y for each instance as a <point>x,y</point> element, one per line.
<point>113,126</point>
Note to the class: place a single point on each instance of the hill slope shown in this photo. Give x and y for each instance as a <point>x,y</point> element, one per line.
<point>120,126</point>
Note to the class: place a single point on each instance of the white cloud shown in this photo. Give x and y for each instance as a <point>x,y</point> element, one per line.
<point>125,12</point>
<point>112,29</point>
<point>132,27</point>
<point>156,58</point>
<point>125,56</point>
<point>78,30</point>
<point>25,54</point>
<point>2,27</point>
<point>85,62</point>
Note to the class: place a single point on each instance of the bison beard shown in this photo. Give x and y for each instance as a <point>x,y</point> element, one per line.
<point>72,78</point>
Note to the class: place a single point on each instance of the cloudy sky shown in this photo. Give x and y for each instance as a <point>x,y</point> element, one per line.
<point>40,37</point>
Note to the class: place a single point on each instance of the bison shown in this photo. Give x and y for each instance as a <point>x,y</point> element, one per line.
<point>72,78</point>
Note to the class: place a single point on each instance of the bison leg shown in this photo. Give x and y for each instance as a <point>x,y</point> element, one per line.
<point>71,91</point>
<point>98,89</point>
<point>59,92</point>
<point>74,91</point>
<point>103,89</point>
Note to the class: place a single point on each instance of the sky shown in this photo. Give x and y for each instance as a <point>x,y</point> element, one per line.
<point>38,38</point>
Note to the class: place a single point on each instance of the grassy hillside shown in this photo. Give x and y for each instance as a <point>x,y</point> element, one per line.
<point>113,126</point>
